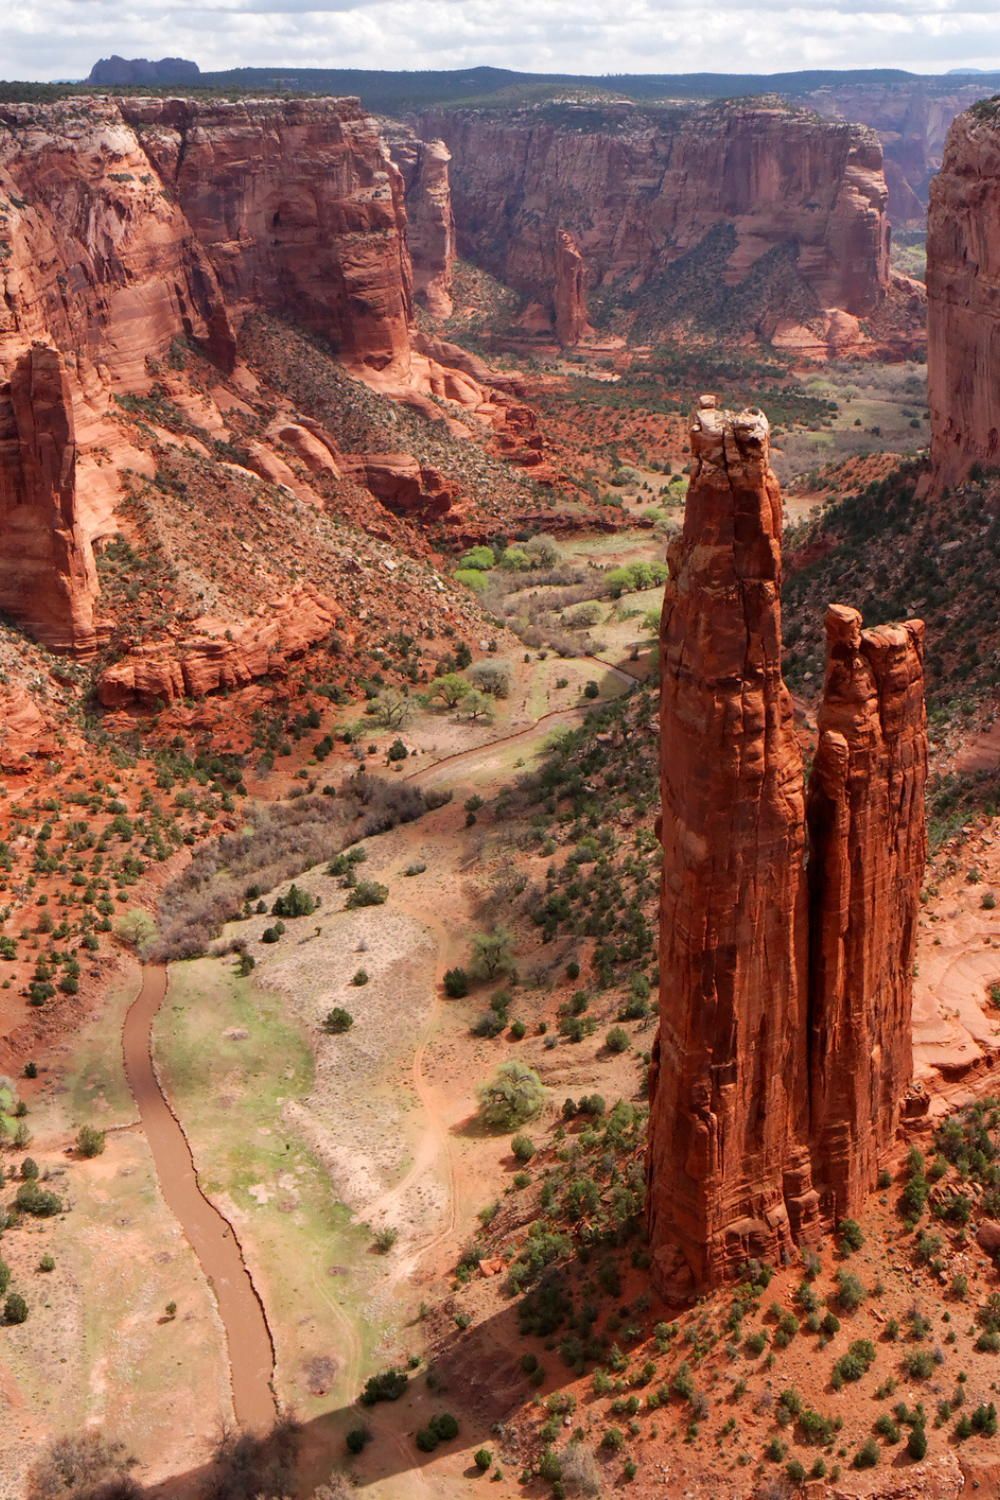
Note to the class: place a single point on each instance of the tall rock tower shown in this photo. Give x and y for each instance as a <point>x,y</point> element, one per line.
<point>785,993</point>
<point>729,1176</point>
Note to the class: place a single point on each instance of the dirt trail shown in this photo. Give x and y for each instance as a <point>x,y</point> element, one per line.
<point>251,1354</point>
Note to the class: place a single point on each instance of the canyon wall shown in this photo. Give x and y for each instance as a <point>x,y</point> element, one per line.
<point>786,941</point>
<point>912,121</point>
<point>298,207</point>
<point>430,222</point>
<point>641,189</point>
<point>963,299</point>
<point>129,225</point>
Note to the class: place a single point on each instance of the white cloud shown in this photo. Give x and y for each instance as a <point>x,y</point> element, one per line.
<point>62,38</point>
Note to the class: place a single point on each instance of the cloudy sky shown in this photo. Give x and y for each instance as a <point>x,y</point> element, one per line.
<point>61,38</point>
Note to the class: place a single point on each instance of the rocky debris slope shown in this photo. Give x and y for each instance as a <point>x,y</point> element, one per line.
<point>783,1050</point>
<point>963,306</point>
<point>134,231</point>
<point>642,191</point>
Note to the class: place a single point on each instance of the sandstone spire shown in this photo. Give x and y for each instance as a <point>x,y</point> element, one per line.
<point>867,852</point>
<point>784,1039</point>
<point>568,298</point>
<point>728,1113</point>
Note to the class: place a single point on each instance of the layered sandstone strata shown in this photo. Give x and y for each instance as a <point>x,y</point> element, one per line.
<point>867,854</point>
<point>728,1111</point>
<point>430,222</point>
<point>783,1051</point>
<point>298,206</point>
<point>963,299</point>
<point>640,189</point>
<point>570,298</point>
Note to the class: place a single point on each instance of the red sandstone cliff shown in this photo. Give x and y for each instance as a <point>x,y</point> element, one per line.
<point>728,1101</point>
<point>784,1042</point>
<point>639,189</point>
<point>963,304</point>
<point>569,296</point>
<point>867,855</point>
<point>299,208</point>
<point>430,222</point>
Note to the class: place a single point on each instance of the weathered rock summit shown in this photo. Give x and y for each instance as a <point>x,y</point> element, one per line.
<point>963,304</point>
<point>787,923</point>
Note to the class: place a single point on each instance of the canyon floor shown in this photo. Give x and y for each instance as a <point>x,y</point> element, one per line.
<point>329,1200</point>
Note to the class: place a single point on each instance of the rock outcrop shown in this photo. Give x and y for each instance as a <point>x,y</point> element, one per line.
<point>116,72</point>
<point>743,190</point>
<point>47,576</point>
<point>963,303</point>
<point>430,222</point>
<point>729,1106</point>
<point>402,484</point>
<point>867,854</point>
<point>569,298</point>
<point>783,1050</point>
<point>213,657</point>
<point>299,208</point>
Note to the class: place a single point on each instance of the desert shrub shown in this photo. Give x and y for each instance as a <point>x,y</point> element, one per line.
<point>272,934</point>
<point>617,1039</point>
<point>512,1096</point>
<point>357,1439</point>
<point>137,930</point>
<point>850,1236</point>
<point>33,1199</point>
<point>482,1458</point>
<point>523,1147</point>
<point>856,1362</point>
<point>294,903</point>
<point>850,1292</point>
<point>337,1021</point>
<point>581,1475</point>
<point>86,1466</point>
<point>456,983</point>
<point>867,1455</point>
<point>89,1141</point>
<point>15,1309</point>
<point>388,1385</point>
<point>384,1239</point>
<point>916,1443</point>
<point>367,893</point>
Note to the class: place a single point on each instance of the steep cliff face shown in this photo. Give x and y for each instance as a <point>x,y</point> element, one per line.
<point>430,222</point>
<point>912,121</point>
<point>783,1049</point>
<point>867,854</point>
<point>963,301</point>
<point>728,1102</point>
<point>47,576</point>
<point>299,208</point>
<point>641,190</point>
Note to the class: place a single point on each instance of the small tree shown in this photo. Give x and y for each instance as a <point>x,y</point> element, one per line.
<point>492,954</point>
<point>391,709</point>
<point>492,677</point>
<point>456,983</point>
<point>475,705</point>
<point>450,689</point>
<point>89,1141</point>
<point>511,1097</point>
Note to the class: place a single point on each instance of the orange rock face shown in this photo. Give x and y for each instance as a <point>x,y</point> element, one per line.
<point>430,222</point>
<point>867,854</point>
<point>48,578</point>
<point>402,484</point>
<point>298,207</point>
<point>729,1109</point>
<point>638,191</point>
<point>570,299</point>
<point>963,313</point>
<point>783,1049</point>
<point>213,657</point>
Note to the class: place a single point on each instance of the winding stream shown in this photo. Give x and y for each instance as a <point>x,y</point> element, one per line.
<point>251,1352</point>
<point>250,1346</point>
